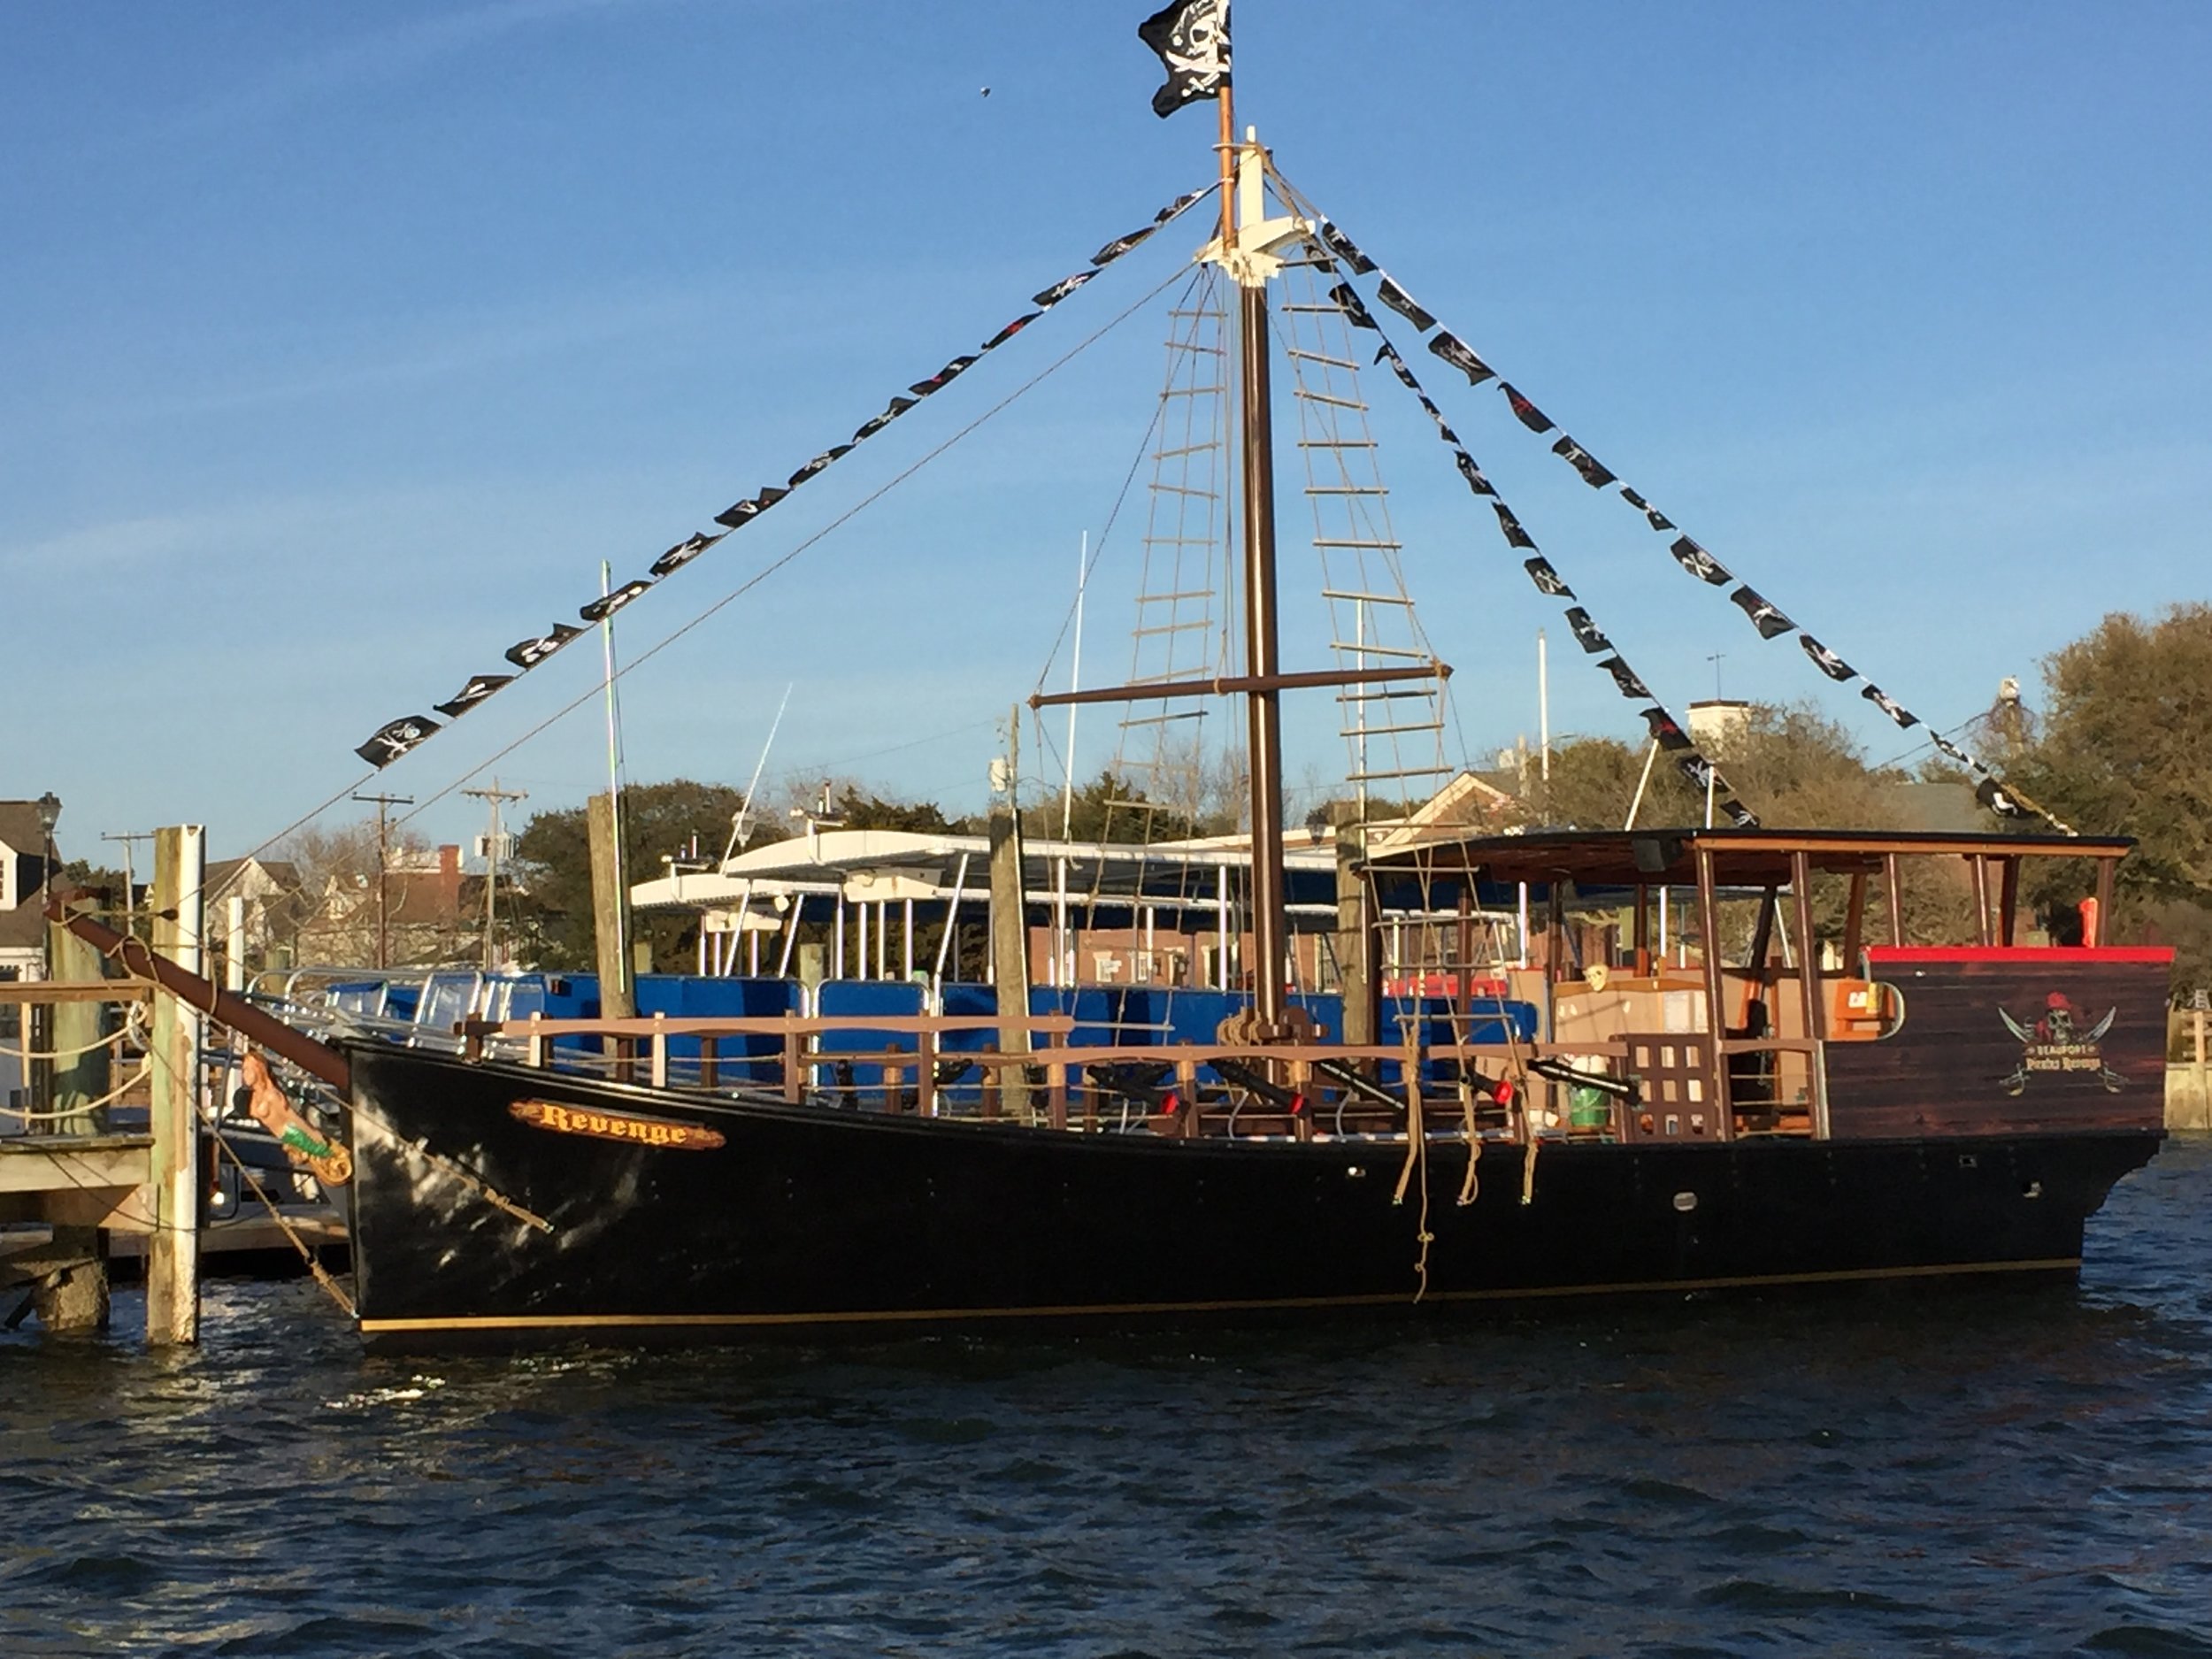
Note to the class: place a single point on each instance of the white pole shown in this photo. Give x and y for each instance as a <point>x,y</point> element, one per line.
<point>1067,767</point>
<point>952,915</point>
<point>906,942</point>
<point>1662,927</point>
<point>1524,918</point>
<point>1543,706</point>
<point>614,761</point>
<point>1635,806</point>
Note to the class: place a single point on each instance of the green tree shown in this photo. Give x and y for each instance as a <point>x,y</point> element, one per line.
<point>2125,749</point>
<point>1109,808</point>
<point>660,821</point>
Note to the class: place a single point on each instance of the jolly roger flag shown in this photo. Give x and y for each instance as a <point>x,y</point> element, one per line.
<point>1826,660</point>
<point>752,506</point>
<point>1060,291</point>
<point>683,553</point>
<point>1192,38</point>
<point>1534,418</point>
<point>1402,303</point>
<point>394,738</point>
<point>1345,249</point>
<point>1951,749</point>
<point>526,654</point>
<point>1547,579</point>
<point>2000,800</point>
<point>1356,312</point>
<point>1738,815</point>
<point>1764,616</point>
<point>1890,706</point>
<point>479,687</point>
<point>1625,677</point>
<point>899,406</point>
<point>1658,520</point>
<point>1514,534</point>
<point>1010,331</point>
<point>1697,772</point>
<point>816,465</point>
<point>1473,473</point>
<point>1698,562</point>
<point>1455,351</point>
<point>1583,462</point>
<point>1189,196</point>
<point>947,375</point>
<point>1388,353</point>
<point>1665,730</point>
<point>600,609</point>
<point>1120,245</point>
<point>1588,634</point>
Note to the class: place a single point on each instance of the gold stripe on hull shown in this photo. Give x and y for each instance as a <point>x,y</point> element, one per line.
<point>921,1315</point>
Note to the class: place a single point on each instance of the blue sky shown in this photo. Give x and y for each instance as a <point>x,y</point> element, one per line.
<point>338,346</point>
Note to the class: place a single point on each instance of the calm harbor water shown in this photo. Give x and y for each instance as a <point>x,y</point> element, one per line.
<point>1958,1474</point>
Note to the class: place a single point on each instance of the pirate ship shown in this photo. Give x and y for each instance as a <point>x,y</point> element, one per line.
<point>1897,1111</point>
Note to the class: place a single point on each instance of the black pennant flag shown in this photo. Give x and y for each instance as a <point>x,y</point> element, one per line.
<point>1192,38</point>
<point>1547,579</point>
<point>1120,245</point>
<point>1664,731</point>
<point>527,654</point>
<point>1388,353</point>
<point>1583,462</point>
<point>1588,634</point>
<point>600,609</point>
<point>1473,473</point>
<point>1993,795</point>
<point>683,553</point>
<point>1189,196</point>
<point>1764,616</point>
<point>1625,677</point>
<point>1402,303</point>
<point>1658,520</point>
<point>1051,296</point>
<point>1010,331</point>
<point>1344,248</point>
<point>752,506</point>
<point>1354,309</point>
<point>1534,418</point>
<point>947,375</point>
<point>394,738</point>
<point>1454,350</point>
<point>479,687</point>
<point>1514,534</point>
<point>1890,706</point>
<point>1738,815</point>
<point>816,465</point>
<point>869,427</point>
<point>1697,772</point>
<point>1947,747</point>
<point>1698,562</point>
<point>1826,660</point>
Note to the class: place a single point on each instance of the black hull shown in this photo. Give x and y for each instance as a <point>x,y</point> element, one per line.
<point>815,1221</point>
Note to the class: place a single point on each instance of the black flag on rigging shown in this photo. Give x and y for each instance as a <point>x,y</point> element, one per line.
<point>1192,38</point>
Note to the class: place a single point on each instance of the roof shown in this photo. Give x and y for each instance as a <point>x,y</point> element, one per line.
<point>1749,858</point>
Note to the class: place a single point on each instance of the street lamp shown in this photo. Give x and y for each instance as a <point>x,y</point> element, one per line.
<point>49,815</point>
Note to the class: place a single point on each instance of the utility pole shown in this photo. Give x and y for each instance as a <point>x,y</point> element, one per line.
<point>383,802</point>
<point>492,796</point>
<point>130,879</point>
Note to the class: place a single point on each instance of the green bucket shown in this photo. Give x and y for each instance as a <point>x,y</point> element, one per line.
<point>1588,1109</point>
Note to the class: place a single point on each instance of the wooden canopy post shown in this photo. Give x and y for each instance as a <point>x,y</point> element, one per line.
<point>1808,984</point>
<point>173,1248</point>
<point>1894,885</point>
<point>1716,1021</point>
<point>1854,925</point>
<point>1981,897</point>
<point>2008,900</point>
<point>1009,933</point>
<point>1356,952</point>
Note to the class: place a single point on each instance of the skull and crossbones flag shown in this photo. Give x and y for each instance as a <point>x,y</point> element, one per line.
<point>1698,562</point>
<point>1625,677</point>
<point>1546,579</point>
<point>479,687</point>
<point>1534,418</point>
<point>1344,248</point>
<point>1588,635</point>
<point>1764,616</point>
<point>1890,706</point>
<point>1455,351</point>
<point>600,609</point>
<point>1826,660</point>
<point>1515,535</point>
<point>1192,38</point>
<point>1354,308</point>
<point>1595,475</point>
<point>394,738</point>
<point>1402,303</point>
<point>684,552</point>
<point>527,654</point>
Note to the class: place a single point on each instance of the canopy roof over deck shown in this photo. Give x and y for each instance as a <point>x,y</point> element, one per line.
<point>867,865</point>
<point>1595,860</point>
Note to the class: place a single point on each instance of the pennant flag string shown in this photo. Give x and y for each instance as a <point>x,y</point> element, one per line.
<point>396,738</point>
<point>1762,613</point>
<point>1700,771</point>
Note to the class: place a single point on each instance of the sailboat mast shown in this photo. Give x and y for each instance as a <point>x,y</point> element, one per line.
<point>1263,659</point>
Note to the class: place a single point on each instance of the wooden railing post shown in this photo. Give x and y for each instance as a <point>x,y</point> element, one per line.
<point>925,1073</point>
<point>794,1058</point>
<point>660,1051</point>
